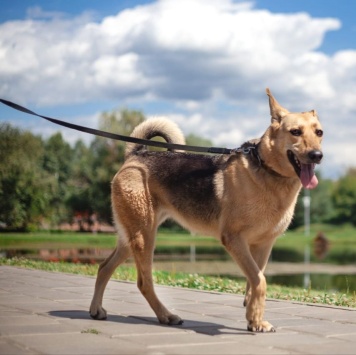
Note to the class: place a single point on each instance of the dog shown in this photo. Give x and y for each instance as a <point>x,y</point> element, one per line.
<point>245,200</point>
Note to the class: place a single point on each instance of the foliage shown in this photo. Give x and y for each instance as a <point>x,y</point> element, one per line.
<point>321,206</point>
<point>193,139</point>
<point>344,198</point>
<point>26,189</point>
<point>47,182</point>
<point>57,162</point>
<point>108,156</point>
<point>81,180</point>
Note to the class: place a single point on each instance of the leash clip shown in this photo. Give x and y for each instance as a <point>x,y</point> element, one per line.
<point>245,150</point>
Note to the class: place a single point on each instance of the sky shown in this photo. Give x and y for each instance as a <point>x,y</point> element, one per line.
<point>205,64</point>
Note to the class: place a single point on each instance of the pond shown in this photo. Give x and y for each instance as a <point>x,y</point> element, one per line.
<point>286,267</point>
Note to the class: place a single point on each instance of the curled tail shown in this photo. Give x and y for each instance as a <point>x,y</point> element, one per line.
<point>154,127</point>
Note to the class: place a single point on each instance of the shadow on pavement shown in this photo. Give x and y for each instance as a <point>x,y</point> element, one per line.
<point>207,328</point>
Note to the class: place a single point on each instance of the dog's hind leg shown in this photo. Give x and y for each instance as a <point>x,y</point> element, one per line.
<point>237,246</point>
<point>135,208</point>
<point>106,269</point>
<point>144,258</point>
<point>260,254</point>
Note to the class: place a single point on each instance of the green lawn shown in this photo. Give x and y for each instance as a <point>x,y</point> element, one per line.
<point>39,240</point>
<point>289,247</point>
<point>336,234</point>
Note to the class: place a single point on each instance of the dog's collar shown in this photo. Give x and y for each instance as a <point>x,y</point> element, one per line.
<point>251,149</point>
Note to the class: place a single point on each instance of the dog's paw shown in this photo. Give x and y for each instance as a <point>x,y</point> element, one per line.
<point>98,313</point>
<point>263,327</point>
<point>171,319</point>
<point>175,320</point>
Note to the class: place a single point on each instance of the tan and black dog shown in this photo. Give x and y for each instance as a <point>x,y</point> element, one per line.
<point>244,200</point>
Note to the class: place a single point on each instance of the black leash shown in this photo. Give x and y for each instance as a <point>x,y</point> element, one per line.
<point>214,150</point>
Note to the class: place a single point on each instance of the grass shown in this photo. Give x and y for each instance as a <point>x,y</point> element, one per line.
<point>90,331</point>
<point>42,240</point>
<point>194,281</point>
<point>292,239</point>
<point>289,247</point>
<point>345,234</point>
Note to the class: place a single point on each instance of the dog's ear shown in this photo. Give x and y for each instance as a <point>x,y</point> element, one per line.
<point>277,111</point>
<point>314,113</point>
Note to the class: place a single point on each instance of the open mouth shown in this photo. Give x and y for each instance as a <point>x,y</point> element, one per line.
<point>305,172</point>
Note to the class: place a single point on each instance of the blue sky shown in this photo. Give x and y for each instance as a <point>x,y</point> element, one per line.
<point>204,64</point>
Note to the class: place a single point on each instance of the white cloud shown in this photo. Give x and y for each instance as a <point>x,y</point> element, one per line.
<point>185,52</point>
<point>170,49</point>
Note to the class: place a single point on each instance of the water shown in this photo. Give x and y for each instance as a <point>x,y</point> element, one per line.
<point>286,267</point>
<point>323,282</point>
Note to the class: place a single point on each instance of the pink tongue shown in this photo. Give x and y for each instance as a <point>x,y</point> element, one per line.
<point>307,176</point>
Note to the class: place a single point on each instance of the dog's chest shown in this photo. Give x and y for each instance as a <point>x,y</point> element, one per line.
<point>271,214</point>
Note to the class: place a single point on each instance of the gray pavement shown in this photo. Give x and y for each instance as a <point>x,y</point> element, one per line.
<point>47,313</point>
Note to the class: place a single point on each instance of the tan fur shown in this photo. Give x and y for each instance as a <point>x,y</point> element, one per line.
<point>244,204</point>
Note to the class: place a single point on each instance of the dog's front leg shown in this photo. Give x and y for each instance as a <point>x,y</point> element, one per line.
<point>240,251</point>
<point>260,254</point>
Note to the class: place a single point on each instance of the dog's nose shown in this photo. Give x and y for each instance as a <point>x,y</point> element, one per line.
<point>315,156</point>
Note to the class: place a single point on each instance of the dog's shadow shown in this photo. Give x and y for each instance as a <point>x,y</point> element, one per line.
<point>207,328</point>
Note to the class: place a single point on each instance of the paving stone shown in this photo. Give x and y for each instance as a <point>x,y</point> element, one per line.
<point>282,323</point>
<point>348,336</point>
<point>137,328</point>
<point>43,306</point>
<point>325,328</point>
<point>47,313</point>
<point>231,347</point>
<point>327,348</point>
<point>78,344</point>
<point>25,320</point>
<point>186,338</point>
<point>7,347</point>
<point>33,329</point>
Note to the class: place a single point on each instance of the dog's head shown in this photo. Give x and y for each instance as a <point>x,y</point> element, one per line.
<point>294,141</point>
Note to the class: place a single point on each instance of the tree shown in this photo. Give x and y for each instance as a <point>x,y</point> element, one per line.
<point>57,162</point>
<point>108,156</point>
<point>321,207</point>
<point>344,198</point>
<point>24,185</point>
<point>80,180</point>
<point>193,139</point>
<point>49,181</point>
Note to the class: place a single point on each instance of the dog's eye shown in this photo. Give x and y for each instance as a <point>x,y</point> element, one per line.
<point>296,132</point>
<point>319,132</point>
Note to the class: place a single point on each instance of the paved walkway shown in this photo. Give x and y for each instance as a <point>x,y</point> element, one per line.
<point>47,313</point>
